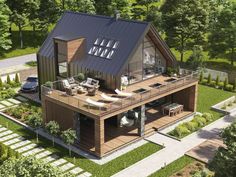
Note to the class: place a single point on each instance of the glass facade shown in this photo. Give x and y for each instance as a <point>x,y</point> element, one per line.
<point>146,62</point>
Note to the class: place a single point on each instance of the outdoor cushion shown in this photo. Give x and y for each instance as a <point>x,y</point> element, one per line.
<point>65,83</point>
<point>71,80</point>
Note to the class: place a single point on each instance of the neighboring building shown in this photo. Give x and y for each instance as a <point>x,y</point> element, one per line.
<point>116,52</point>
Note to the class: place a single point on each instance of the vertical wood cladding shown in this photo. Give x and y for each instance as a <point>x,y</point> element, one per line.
<point>99,136</point>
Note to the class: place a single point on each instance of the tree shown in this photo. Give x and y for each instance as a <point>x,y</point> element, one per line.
<point>5,42</point>
<point>17,80</point>
<point>8,79</point>
<point>197,58</point>
<point>29,166</point>
<point>224,162</point>
<point>48,13</point>
<point>185,22</point>
<point>234,85</point>
<point>226,82</point>
<point>20,11</point>
<point>201,77</point>
<point>222,38</point>
<point>69,137</point>
<point>86,6</point>
<point>53,128</point>
<point>217,80</point>
<point>209,79</point>
<point>34,14</point>
<point>123,6</point>
<point>35,121</point>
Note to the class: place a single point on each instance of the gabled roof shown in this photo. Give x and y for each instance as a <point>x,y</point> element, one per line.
<point>74,25</point>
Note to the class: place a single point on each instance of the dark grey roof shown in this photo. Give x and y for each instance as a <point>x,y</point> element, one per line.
<point>129,33</point>
<point>67,37</point>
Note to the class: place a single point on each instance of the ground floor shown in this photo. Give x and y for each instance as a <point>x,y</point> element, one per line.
<point>102,136</point>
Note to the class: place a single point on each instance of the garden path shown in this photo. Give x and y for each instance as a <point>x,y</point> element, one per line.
<point>27,148</point>
<point>174,149</point>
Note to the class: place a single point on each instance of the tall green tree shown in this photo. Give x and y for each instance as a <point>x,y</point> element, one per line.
<point>48,13</point>
<point>123,6</point>
<point>20,11</point>
<point>197,58</point>
<point>69,137</point>
<point>144,8</point>
<point>86,6</point>
<point>53,128</point>
<point>185,22</point>
<point>5,42</point>
<point>222,38</point>
<point>224,162</point>
<point>34,13</point>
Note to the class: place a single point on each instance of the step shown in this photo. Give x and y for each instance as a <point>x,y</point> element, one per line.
<point>58,162</point>
<point>13,141</point>
<point>20,98</point>
<point>67,166</point>
<point>85,174</point>
<point>43,154</point>
<point>14,101</point>
<point>26,148</point>
<point>3,129</point>
<point>23,143</point>
<point>76,170</point>
<point>6,133</point>
<point>6,103</point>
<point>5,138</point>
<point>2,106</point>
<point>33,151</point>
<point>51,158</point>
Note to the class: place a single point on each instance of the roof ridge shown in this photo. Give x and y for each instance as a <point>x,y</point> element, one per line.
<point>107,17</point>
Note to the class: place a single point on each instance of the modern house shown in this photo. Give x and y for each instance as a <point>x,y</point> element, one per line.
<point>129,60</point>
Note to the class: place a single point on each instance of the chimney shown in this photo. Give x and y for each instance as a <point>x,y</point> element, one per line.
<point>117,15</point>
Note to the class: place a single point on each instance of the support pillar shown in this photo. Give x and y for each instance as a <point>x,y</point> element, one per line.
<point>141,121</point>
<point>99,137</point>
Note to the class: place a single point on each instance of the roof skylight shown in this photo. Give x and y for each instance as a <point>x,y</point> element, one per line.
<point>104,48</point>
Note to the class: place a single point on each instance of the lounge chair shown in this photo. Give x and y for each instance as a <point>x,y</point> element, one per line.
<point>90,83</point>
<point>108,98</point>
<point>95,103</point>
<point>124,94</point>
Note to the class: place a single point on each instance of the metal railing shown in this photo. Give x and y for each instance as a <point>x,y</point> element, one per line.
<point>54,92</point>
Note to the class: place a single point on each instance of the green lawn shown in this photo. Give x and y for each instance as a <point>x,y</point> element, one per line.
<point>105,170</point>
<point>173,167</point>
<point>221,64</point>
<point>208,96</point>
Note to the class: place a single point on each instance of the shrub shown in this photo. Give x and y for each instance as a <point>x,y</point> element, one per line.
<point>230,104</point>
<point>213,84</point>
<point>229,87</point>
<point>209,79</point>
<point>1,83</point>
<point>208,116</point>
<point>17,80</point>
<point>201,77</point>
<point>204,81</point>
<point>224,107</point>
<point>7,93</point>
<point>181,130</point>
<point>8,80</point>
<point>48,84</point>
<point>226,82</point>
<point>80,77</point>
<point>192,126</point>
<point>221,85</point>
<point>200,120</point>
<point>217,80</point>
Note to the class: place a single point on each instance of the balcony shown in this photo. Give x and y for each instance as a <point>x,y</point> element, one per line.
<point>143,92</point>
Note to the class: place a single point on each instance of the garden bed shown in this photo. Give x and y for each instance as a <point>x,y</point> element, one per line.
<point>226,106</point>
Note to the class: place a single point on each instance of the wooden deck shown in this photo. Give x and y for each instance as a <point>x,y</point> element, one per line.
<point>78,102</point>
<point>117,137</point>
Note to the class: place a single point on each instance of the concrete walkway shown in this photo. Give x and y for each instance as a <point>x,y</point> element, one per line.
<point>174,149</point>
<point>15,61</point>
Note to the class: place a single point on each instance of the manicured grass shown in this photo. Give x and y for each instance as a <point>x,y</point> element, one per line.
<point>222,63</point>
<point>173,167</point>
<point>208,96</point>
<point>105,170</point>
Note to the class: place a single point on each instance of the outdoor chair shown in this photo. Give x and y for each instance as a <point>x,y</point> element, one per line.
<point>71,89</point>
<point>95,103</point>
<point>108,98</point>
<point>90,83</point>
<point>123,94</point>
<point>92,91</point>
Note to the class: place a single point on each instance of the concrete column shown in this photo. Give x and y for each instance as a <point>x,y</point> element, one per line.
<point>141,121</point>
<point>99,137</point>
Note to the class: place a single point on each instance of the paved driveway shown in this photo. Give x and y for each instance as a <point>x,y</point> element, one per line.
<point>21,60</point>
